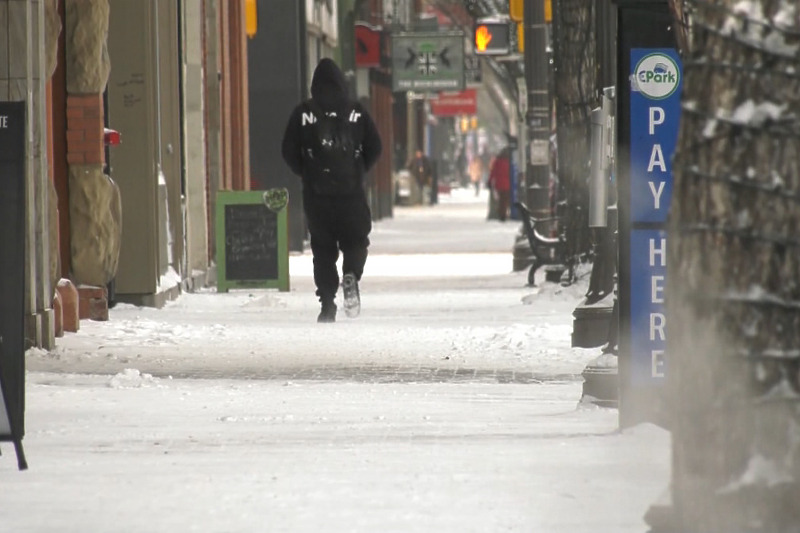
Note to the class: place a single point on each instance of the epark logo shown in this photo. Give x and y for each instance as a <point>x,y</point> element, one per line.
<point>657,76</point>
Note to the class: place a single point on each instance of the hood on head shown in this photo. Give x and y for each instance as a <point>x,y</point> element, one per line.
<point>328,86</point>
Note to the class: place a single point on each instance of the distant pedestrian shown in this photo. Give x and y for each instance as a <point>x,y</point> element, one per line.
<point>422,170</point>
<point>476,174</point>
<point>330,142</point>
<point>500,183</point>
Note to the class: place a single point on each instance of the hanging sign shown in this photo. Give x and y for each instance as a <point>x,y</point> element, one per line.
<point>368,45</point>
<point>427,61</point>
<point>450,104</point>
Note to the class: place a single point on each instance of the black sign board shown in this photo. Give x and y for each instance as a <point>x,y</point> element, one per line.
<point>12,275</point>
<point>252,246</point>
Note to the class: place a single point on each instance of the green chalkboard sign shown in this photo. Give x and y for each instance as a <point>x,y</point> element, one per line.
<point>252,240</point>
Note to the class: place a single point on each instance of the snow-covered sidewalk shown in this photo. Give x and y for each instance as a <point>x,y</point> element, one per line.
<point>451,405</point>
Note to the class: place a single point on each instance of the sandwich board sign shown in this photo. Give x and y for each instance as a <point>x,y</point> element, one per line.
<point>252,239</point>
<point>12,275</point>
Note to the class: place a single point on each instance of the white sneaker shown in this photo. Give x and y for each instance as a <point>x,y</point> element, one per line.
<point>352,299</point>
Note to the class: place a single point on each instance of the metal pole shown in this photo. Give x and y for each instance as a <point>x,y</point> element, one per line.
<point>537,117</point>
<point>411,125</point>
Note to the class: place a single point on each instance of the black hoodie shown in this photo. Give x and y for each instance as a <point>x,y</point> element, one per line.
<point>329,92</point>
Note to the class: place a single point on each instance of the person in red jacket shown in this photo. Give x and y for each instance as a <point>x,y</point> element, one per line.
<point>500,183</point>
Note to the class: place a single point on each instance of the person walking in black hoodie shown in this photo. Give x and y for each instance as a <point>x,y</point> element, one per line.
<point>330,142</point>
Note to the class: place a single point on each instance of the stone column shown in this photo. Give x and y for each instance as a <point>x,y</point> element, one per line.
<point>94,203</point>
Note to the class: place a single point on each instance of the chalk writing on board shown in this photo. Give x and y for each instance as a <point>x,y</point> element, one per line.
<point>251,242</point>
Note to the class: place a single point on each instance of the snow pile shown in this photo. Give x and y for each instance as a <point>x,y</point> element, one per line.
<point>267,300</point>
<point>38,352</point>
<point>150,332</point>
<point>522,340</point>
<point>130,378</point>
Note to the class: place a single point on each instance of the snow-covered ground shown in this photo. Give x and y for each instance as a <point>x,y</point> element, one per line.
<point>451,405</point>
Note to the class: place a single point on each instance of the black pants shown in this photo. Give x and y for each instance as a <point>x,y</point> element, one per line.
<point>337,223</point>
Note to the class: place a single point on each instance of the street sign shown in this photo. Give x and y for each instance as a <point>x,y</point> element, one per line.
<point>655,113</point>
<point>451,104</point>
<point>368,45</point>
<point>647,118</point>
<point>539,152</point>
<point>424,61</point>
<point>472,70</point>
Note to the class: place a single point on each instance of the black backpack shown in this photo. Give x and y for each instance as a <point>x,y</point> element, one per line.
<point>332,154</point>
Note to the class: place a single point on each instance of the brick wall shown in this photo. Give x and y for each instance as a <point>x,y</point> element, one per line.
<point>85,129</point>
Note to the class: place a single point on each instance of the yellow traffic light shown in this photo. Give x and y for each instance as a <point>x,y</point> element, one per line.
<point>516,8</point>
<point>250,17</point>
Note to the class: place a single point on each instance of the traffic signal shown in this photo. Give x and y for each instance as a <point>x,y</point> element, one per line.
<point>492,37</point>
<point>516,9</point>
<point>250,17</point>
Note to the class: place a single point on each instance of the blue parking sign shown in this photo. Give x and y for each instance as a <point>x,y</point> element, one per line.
<point>655,90</point>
